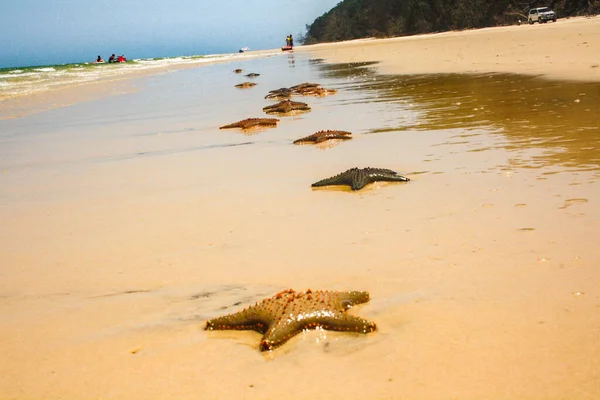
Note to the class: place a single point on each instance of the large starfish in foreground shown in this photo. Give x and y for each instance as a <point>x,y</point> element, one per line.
<point>252,122</point>
<point>358,178</point>
<point>288,313</point>
<point>322,136</point>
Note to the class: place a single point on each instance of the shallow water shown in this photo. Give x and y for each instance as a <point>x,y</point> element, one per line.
<point>128,220</point>
<point>561,120</point>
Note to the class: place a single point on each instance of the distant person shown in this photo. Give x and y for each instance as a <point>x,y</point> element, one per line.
<point>291,41</point>
<point>287,41</point>
<point>121,58</point>
<point>99,60</point>
<point>111,59</point>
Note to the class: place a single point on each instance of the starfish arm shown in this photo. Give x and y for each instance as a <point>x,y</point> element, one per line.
<point>351,298</point>
<point>382,174</point>
<point>346,323</point>
<point>303,140</point>
<point>359,180</point>
<point>246,319</point>
<point>251,123</point>
<point>283,331</point>
<point>279,333</point>
<point>340,179</point>
<point>229,126</point>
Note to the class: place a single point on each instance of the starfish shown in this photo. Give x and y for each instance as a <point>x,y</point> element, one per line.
<point>252,75</point>
<point>237,71</point>
<point>288,313</point>
<point>251,122</point>
<point>303,86</point>
<point>245,85</point>
<point>312,89</point>
<point>319,91</point>
<point>322,136</point>
<point>286,106</point>
<point>358,178</point>
<point>283,93</point>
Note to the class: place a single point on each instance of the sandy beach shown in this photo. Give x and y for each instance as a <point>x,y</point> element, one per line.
<point>128,219</point>
<point>561,50</point>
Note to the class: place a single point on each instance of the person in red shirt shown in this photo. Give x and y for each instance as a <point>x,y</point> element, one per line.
<point>121,58</point>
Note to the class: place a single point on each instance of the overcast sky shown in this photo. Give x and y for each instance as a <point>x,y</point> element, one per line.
<point>38,32</point>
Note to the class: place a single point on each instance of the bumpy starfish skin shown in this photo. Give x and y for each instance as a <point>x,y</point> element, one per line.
<point>286,106</point>
<point>251,122</point>
<point>288,313</point>
<point>245,85</point>
<point>358,178</point>
<point>322,136</point>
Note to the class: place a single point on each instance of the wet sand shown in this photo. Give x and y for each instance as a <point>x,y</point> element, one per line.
<point>128,221</point>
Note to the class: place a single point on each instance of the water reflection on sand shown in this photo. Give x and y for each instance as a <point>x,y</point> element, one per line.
<point>559,121</point>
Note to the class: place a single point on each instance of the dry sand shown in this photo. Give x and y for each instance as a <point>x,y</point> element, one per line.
<point>126,222</point>
<point>566,49</point>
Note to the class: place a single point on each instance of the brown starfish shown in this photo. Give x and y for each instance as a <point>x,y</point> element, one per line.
<point>303,86</point>
<point>283,93</point>
<point>319,92</point>
<point>252,75</point>
<point>245,85</point>
<point>358,178</point>
<point>252,122</point>
<point>237,71</point>
<point>312,89</point>
<point>288,313</point>
<point>322,136</point>
<point>286,106</point>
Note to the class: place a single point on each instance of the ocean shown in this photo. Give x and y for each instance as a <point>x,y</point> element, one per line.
<point>19,81</point>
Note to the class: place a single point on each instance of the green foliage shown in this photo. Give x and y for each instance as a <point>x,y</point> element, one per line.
<point>353,19</point>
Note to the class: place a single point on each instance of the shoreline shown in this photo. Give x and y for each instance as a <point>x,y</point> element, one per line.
<point>67,93</point>
<point>538,50</point>
<point>562,50</point>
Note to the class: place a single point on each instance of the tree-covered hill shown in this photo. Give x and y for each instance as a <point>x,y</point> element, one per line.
<point>354,19</point>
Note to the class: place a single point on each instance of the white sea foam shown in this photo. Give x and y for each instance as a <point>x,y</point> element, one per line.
<point>37,79</point>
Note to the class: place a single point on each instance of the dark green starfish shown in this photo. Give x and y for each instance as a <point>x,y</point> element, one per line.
<point>358,178</point>
<point>288,313</point>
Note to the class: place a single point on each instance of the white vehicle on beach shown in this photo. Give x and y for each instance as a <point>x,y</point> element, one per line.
<point>541,15</point>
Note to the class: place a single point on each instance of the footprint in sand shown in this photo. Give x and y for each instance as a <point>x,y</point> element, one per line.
<point>570,202</point>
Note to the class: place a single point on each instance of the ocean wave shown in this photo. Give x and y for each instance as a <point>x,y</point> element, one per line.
<point>45,69</point>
